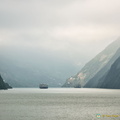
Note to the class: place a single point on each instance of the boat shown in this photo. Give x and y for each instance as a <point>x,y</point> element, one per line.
<point>43,86</point>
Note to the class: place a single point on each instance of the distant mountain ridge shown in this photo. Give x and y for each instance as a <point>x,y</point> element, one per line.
<point>94,66</point>
<point>18,73</point>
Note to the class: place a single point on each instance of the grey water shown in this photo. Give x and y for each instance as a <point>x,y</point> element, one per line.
<point>59,104</point>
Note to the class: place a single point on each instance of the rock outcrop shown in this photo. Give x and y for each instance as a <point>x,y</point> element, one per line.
<point>4,85</point>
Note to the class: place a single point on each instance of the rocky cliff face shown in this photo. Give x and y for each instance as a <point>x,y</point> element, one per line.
<point>2,84</point>
<point>98,78</point>
<point>92,67</point>
<point>112,78</point>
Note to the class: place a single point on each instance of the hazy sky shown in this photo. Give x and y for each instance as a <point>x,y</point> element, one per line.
<point>77,29</point>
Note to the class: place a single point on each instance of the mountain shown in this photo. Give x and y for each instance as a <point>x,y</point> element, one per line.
<point>96,80</point>
<point>8,86</point>
<point>93,66</point>
<point>30,71</point>
<point>2,84</point>
<point>111,80</point>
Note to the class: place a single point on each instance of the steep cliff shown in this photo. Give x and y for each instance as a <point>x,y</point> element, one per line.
<point>98,78</point>
<point>94,66</point>
<point>112,78</point>
<point>2,84</point>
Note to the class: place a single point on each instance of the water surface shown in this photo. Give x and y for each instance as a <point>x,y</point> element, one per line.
<point>59,104</point>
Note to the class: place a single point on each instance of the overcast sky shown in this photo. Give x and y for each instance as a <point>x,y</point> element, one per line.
<point>77,29</point>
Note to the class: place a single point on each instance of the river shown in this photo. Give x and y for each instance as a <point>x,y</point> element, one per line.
<point>59,104</point>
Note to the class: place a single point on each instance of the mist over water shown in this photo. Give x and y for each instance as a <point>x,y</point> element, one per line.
<point>48,41</point>
<point>59,104</point>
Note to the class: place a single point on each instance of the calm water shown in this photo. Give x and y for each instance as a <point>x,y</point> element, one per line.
<point>59,104</point>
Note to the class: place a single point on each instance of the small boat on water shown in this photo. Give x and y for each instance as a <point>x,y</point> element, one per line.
<point>43,86</point>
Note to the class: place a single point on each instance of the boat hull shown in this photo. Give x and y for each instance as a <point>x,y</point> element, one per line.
<point>43,86</point>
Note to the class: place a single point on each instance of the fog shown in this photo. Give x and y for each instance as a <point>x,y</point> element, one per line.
<point>60,33</point>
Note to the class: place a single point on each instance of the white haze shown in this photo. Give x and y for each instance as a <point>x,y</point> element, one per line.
<point>49,31</point>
